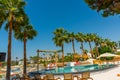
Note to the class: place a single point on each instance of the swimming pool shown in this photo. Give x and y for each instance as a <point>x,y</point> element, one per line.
<point>79,69</point>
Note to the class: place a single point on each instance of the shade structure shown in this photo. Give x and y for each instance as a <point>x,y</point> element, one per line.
<point>108,55</point>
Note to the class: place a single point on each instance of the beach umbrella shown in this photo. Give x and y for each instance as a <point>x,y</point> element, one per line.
<point>107,55</point>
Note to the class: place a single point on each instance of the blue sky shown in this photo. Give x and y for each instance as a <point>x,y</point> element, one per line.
<point>72,15</point>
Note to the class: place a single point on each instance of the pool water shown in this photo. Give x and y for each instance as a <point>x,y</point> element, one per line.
<point>78,69</point>
<point>15,70</point>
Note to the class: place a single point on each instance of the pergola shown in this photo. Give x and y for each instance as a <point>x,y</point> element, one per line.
<point>49,51</point>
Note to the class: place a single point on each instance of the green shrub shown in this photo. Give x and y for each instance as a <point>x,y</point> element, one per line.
<point>118,53</point>
<point>106,58</point>
<point>0,76</point>
<point>104,49</point>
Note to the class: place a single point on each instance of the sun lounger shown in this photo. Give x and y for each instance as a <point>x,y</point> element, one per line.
<point>68,76</point>
<point>86,76</point>
<point>37,77</point>
<point>17,77</point>
<point>25,77</point>
<point>75,77</point>
<point>51,77</point>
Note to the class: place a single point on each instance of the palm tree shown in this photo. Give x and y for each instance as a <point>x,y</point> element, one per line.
<point>96,40</point>
<point>89,39</point>
<point>10,11</point>
<point>16,60</point>
<point>107,42</point>
<point>105,7</point>
<point>25,32</point>
<point>119,44</point>
<point>80,38</point>
<point>114,46</point>
<point>71,37</point>
<point>60,37</point>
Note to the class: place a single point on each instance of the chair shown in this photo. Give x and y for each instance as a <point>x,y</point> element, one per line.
<point>50,77</point>
<point>37,77</point>
<point>68,76</point>
<point>25,77</point>
<point>17,77</point>
<point>75,77</point>
<point>86,76</point>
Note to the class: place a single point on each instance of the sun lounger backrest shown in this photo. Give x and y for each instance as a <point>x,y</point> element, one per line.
<point>17,75</point>
<point>67,76</point>
<point>37,76</point>
<point>50,77</point>
<point>86,75</point>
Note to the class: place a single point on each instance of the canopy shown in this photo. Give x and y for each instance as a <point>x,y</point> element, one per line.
<point>108,55</point>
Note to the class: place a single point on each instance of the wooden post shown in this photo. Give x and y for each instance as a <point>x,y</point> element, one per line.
<point>53,51</point>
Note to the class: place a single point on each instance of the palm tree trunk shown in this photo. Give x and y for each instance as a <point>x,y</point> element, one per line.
<point>91,49</point>
<point>38,60</point>
<point>9,51</point>
<point>56,58</point>
<point>119,44</point>
<point>82,47</point>
<point>97,50</point>
<point>63,54</point>
<point>73,46</point>
<point>24,71</point>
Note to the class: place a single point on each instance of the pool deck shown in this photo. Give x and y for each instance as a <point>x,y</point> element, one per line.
<point>109,74</point>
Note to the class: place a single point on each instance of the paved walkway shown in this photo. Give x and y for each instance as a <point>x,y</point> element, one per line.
<point>109,74</point>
